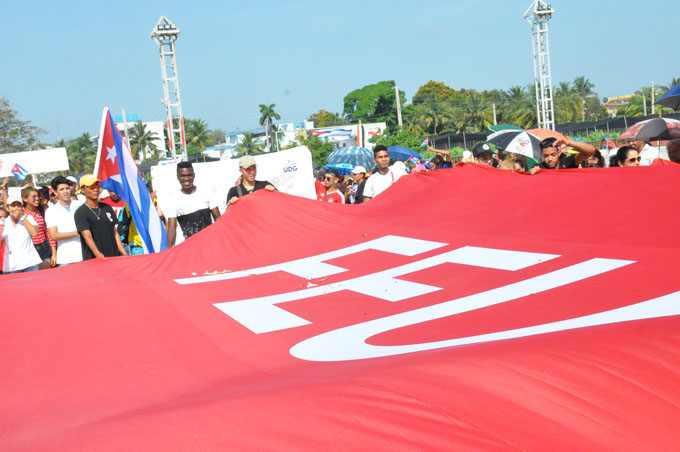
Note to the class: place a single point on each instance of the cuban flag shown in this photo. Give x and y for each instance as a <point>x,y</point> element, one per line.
<point>19,171</point>
<point>426,142</point>
<point>413,160</point>
<point>118,171</point>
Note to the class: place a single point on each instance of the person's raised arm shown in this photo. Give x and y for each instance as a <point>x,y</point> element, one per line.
<point>443,152</point>
<point>584,149</point>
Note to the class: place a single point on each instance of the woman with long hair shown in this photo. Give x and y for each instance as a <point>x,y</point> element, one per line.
<point>44,245</point>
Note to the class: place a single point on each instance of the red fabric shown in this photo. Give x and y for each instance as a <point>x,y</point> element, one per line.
<point>114,354</point>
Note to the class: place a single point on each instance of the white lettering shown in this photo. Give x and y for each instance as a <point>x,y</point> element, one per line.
<point>261,315</point>
<point>349,343</point>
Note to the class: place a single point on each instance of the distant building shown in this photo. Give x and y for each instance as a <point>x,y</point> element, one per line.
<point>612,104</point>
<point>155,127</point>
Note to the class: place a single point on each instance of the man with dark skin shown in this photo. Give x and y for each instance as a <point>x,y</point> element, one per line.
<point>96,223</point>
<point>192,208</point>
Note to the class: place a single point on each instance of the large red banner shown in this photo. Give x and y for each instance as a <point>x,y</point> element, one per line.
<point>464,309</point>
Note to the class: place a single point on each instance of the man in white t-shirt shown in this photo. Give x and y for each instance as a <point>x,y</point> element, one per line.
<point>61,224</point>
<point>647,153</point>
<point>192,208</point>
<point>383,178</point>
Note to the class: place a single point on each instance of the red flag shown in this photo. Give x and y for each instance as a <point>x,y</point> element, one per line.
<point>540,321</point>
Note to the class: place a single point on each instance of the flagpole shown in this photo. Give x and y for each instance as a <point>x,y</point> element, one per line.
<point>99,140</point>
<point>125,129</point>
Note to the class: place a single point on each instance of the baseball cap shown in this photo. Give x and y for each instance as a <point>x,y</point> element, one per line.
<point>88,179</point>
<point>246,161</point>
<point>332,171</point>
<point>481,149</point>
<point>72,179</point>
<point>11,199</point>
<point>358,169</point>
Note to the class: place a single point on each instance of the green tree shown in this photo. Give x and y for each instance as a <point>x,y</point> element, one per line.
<point>373,103</point>
<point>431,114</point>
<point>197,134</point>
<point>324,118</point>
<point>16,135</point>
<point>521,106</point>
<point>477,112</point>
<point>584,89</point>
<point>566,102</point>
<point>248,145</point>
<point>81,154</point>
<point>266,119</point>
<point>403,138</point>
<point>142,140</point>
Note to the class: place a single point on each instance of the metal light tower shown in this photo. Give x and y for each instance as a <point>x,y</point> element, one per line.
<point>538,15</point>
<point>165,34</point>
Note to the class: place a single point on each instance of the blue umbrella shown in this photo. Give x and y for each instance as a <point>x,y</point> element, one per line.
<point>402,153</point>
<point>352,154</point>
<point>343,168</point>
<point>671,98</point>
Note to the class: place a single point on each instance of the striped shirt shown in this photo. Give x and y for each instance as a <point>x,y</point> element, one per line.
<point>42,229</point>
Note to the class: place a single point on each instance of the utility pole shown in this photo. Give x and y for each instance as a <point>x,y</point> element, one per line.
<point>396,91</point>
<point>494,113</point>
<point>538,15</point>
<point>653,98</point>
<point>165,34</point>
<point>644,102</point>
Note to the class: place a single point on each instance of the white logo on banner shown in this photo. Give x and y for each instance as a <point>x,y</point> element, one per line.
<point>264,315</point>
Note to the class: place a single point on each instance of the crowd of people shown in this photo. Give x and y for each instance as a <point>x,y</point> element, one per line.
<point>75,220</point>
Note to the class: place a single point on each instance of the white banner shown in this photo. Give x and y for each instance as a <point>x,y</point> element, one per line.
<point>290,171</point>
<point>35,162</point>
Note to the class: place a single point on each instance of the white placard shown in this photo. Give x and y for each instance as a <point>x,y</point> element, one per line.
<point>35,162</point>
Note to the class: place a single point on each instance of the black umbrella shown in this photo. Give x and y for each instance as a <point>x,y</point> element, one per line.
<point>671,98</point>
<point>517,142</point>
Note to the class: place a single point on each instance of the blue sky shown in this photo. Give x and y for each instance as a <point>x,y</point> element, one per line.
<point>64,61</point>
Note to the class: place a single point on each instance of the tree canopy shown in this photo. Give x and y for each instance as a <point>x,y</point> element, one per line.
<point>15,134</point>
<point>373,103</point>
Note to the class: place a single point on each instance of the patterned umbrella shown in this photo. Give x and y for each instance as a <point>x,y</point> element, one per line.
<point>352,154</point>
<point>517,142</point>
<point>652,129</point>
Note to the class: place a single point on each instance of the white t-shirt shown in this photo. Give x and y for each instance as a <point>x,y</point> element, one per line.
<point>183,204</point>
<point>19,250</point>
<point>68,250</point>
<point>378,183</point>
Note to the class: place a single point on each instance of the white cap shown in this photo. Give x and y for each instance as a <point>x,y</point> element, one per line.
<point>358,169</point>
<point>11,199</point>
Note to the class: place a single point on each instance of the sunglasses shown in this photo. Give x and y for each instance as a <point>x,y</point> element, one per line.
<point>328,178</point>
<point>634,159</point>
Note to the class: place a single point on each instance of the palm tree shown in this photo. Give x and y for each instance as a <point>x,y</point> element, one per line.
<point>197,133</point>
<point>521,105</point>
<point>248,145</point>
<point>566,101</point>
<point>266,120</point>
<point>142,140</point>
<point>81,154</point>
<point>477,112</point>
<point>583,88</point>
<point>432,114</point>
